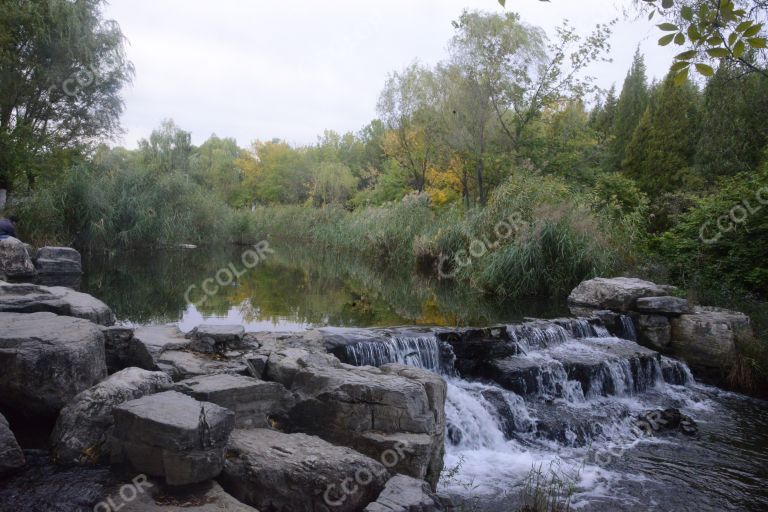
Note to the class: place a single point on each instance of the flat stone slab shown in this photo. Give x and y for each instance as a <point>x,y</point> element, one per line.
<point>663,305</point>
<point>271,470</point>
<point>46,360</point>
<point>182,365</point>
<point>256,403</point>
<point>159,338</point>
<point>32,298</point>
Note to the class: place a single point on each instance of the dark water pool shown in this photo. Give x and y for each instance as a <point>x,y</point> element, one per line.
<point>290,288</point>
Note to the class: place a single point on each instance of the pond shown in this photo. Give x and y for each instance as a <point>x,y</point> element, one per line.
<point>290,288</point>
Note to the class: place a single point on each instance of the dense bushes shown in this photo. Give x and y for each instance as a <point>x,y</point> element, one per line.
<point>127,208</point>
<point>723,238</point>
<point>535,236</point>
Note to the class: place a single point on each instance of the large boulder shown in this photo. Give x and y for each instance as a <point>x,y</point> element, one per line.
<point>14,259</point>
<point>31,298</point>
<point>172,435</point>
<point>278,472</point>
<point>616,294</point>
<point>83,427</point>
<point>707,338</point>
<point>256,403</point>
<point>46,360</point>
<point>58,260</point>
<point>11,456</point>
<point>407,494</point>
<point>345,405</point>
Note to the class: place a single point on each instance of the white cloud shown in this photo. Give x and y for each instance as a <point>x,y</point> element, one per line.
<point>262,69</point>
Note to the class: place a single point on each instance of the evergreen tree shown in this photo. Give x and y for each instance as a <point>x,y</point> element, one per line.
<point>603,116</point>
<point>661,151</point>
<point>629,109</point>
<point>734,133</point>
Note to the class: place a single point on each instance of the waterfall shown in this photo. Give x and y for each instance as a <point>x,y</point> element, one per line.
<point>419,351</point>
<point>628,328</point>
<point>582,328</point>
<point>530,337</point>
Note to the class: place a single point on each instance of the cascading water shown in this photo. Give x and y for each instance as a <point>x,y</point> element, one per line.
<point>585,388</point>
<point>628,328</point>
<point>421,351</point>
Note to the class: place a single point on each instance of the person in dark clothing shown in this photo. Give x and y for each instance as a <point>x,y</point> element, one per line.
<point>8,227</point>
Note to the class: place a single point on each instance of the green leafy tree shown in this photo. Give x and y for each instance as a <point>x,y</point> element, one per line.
<point>167,149</point>
<point>332,182</point>
<point>730,31</point>
<point>62,66</point>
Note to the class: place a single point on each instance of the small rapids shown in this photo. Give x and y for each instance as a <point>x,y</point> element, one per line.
<point>575,420</point>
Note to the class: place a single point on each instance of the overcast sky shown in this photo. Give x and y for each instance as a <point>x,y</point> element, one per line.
<point>259,69</point>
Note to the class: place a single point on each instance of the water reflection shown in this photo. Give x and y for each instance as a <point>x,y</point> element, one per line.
<point>294,288</point>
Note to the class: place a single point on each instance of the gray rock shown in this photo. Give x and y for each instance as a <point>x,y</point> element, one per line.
<point>216,338</point>
<point>58,260</point>
<point>342,404</point>
<point>257,364</point>
<point>273,471</point>
<point>172,435</point>
<point>407,494</point>
<point>14,259</point>
<point>181,365</point>
<point>84,425</point>
<point>663,305</point>
<point>159,338</point>
<point>616,294</point>
<point>122,351</point>
<point>256,403</point>
<point>707,338</point>
<point>11,456</point>
<point>209,497</point>
<point>31,298</point>
<point>46,360</point>
<point>654,331</point>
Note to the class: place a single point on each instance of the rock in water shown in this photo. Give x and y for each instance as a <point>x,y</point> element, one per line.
<point>654,331</point>
<point>407,494</point>
<point>11,456</point>
<point>707,338</point>
<point>58,260</point>
<point>46,360</point>
<point>616,294</point>
<point>14,259</point>
<point>84,424</point>
<point>277,472</point>
<point>172,435</point>
<point>256,403</point>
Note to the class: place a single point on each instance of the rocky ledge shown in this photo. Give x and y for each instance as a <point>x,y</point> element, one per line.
<point>216,418</point>
<point>706,338</point>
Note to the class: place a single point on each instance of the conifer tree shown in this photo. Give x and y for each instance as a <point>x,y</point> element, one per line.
<point>629,109</point>
<point>661,151</point>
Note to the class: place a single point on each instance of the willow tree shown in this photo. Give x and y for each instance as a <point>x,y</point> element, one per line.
<point>62,66</point>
